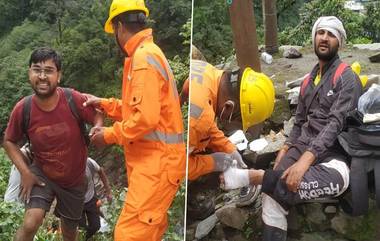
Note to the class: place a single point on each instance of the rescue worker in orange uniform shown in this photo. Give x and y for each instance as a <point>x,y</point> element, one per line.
<point>148,124</point>
<point>246,97</point>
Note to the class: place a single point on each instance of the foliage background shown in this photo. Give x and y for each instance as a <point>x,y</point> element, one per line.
<point>92,63</point>
<point>212,33</point>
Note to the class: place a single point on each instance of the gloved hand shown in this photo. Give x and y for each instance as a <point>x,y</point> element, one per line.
<point>236,156</point>
<point>222,161</point>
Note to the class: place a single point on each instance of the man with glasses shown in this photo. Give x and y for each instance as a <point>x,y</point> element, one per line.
<point>58,147</point>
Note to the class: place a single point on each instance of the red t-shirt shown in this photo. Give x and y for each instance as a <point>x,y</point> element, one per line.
<point>58,145</point>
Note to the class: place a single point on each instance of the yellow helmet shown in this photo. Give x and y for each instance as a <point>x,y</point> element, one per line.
<point>357,68</point>
<point>121,6</point>
<point>256,97</point>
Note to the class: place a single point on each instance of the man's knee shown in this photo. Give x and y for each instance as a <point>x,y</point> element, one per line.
<point>69,229</point>
<point>33,220</point>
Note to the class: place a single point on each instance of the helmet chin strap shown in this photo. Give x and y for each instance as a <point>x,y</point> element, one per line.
<point>118,41</point>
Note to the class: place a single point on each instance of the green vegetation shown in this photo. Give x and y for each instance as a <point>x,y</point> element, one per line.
<point>212,32</point>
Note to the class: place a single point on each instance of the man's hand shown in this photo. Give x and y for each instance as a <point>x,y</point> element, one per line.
<point>236,156</point>
<point>280,155</point>
<point>109,196</point>
<point>293,175</point>
<point>92,100</point>
<point>222,161</point>
<point>28,180</point>
<point>97,136</point>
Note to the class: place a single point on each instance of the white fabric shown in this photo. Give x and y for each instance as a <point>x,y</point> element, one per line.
<point>91,168</point>
<point>331,24</point>
<point>273,214</point>
<point>235,178</point>
<point>13,190</point>
<point>258,144</point>
<point>368,118</point>
<point>239,139</point>
<point>343,170</point>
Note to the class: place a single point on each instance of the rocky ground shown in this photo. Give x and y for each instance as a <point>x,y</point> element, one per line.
<point>222,218</point>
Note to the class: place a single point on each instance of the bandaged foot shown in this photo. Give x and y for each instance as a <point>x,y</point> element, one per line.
<point>235,178</point>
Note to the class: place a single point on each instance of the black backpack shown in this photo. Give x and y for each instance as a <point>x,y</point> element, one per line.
<point>74,110</point>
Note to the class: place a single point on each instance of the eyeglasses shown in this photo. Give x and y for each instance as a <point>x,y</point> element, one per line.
<point>39,71</point>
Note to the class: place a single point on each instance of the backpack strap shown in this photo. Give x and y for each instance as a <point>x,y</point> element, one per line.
<point>26,115</point>
<point>339,71</point>
<point>74,110</point>
<point>304,84</point>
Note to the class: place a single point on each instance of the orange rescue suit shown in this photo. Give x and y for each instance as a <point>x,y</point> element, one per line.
<point>203,131</point>
<point>149,127</point>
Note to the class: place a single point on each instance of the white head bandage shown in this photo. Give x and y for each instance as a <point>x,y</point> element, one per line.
<point>331,24</point>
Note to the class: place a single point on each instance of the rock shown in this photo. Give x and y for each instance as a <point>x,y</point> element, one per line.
<point>339,224</point>
<point>288,126</point>
<point>293,95</point>
<point>232,216</point>
<point>204,227</point>
<point>292,53</point>
<point>218,232</point>
<point>313,237</point>
<point>284,48</point>
<point>316,217</point>
<point>375,58</point>
<point>330,209</point>
<point>373,47</point>
<point>294,223</point>
<point>234,235</point>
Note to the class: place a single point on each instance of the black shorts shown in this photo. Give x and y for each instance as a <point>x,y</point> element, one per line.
<point>70,201</point>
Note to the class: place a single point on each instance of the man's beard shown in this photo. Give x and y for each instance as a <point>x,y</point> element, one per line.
<point>52,89</point>
<point>326,56</point>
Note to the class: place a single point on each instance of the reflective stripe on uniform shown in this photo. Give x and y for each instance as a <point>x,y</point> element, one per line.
<point>158,66</point>
<point>163,71</point>
<point>195,111</point>
<point>163,137</point>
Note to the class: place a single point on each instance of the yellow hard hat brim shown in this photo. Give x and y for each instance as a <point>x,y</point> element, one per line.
<point>108,26</point>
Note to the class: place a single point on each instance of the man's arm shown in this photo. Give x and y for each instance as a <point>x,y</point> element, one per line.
<point>28,179</point>
<point>112,107</point>
<point>145,105</point>
<point>106,184</point>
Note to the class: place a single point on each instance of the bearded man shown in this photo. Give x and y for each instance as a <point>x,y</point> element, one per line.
<point>311,164</point>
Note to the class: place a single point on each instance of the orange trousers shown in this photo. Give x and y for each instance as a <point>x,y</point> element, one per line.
<point>149,196</point>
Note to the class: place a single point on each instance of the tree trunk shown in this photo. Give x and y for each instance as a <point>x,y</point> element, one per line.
<point>270,23</point>
<point>244,32</point>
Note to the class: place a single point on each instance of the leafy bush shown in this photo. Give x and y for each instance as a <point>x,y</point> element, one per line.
<point>310,12</point>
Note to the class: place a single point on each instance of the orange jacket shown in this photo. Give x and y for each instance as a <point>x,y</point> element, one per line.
<point>148,117</point>
<point>203,131</point>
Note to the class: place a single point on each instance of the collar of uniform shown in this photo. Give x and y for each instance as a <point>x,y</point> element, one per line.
<point>134,42</point>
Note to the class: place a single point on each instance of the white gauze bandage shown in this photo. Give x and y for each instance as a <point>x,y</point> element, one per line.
<point>235,178</point>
